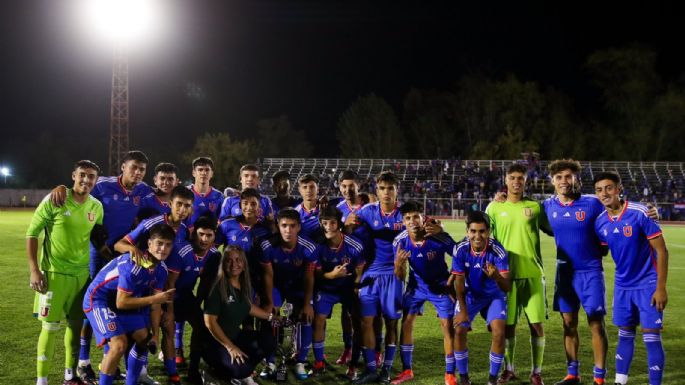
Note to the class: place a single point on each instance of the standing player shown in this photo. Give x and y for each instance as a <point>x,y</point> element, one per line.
<point>480,267</point>
<point>208,200</point>
<point>640,284</point>
<point>428,281</point>
<point>61,276</point>
<point>579,277</point>
<point>308,185</point>
<point>249,178</point>
<point>281,187</point>
<point>121,307</point>
<point>516,224</point>
<point>340,267</point>
<point>157,202</point>
<point>289,262</point>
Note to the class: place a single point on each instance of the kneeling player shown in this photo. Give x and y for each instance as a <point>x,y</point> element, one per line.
<point>118,304</point>
<point>480,267</point>
<point>428,281</point>
<point>339,268</point>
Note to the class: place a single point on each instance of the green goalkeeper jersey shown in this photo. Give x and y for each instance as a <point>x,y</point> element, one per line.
<point>66,247</point>
<point>517,227</point>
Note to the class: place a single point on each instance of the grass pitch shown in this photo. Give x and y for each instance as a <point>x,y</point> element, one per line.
<point>19,330</point>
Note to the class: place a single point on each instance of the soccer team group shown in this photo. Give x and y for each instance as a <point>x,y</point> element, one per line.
<point>129,264</point>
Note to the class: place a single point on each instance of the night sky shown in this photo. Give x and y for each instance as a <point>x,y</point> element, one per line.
<point>305,59</point>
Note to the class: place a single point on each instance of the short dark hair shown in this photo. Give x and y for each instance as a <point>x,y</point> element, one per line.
<point>182,192</point>
<point>306,178</point>
<point>85,163</point>
<point>560,165</point>
<point>288,213</point>
<point>250,193</point>
<point>331,212</point>
<point>203,161</point>
<point>249,167</point>
<point>478,217</point>
<point>517,167</point>
<point>135,155</point>
<point>388,177</point>
<point>348,175</point>
<point>411,207</point>
<point>282,174</point>
<point>166,167</point>
<point>205,222</point>
<point>163,231</point>
<point>610,175</point>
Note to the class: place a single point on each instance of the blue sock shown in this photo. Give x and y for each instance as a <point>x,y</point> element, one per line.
<point>496,361</point>
<point>370,357</point>
<point>305,341</point>
<point>319,350</point>
<point>389,356</point>
<point>379,343</point>
<point>572,368</point>
<point>84,350</point>
<point>356,353</point>
<point>178,335</point>
<point>405,354</point>
<point>106,379</point>
<point>137,358</point>
<point>462,360</point>
<point>347,340</point>
<point>624,354</point>
<point>170,366</point>
<point>105,349</point>
<point>598,373</point>
<point>655,357</point>
<point>449,363</point>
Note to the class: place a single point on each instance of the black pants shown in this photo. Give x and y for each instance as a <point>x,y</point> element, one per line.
<point>256,344</point>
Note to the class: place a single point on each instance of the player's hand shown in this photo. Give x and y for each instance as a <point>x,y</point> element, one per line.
<point>340,271</point>
<point>433,226</point>
<point>402,255</point>
<point>37,282</point>
<point>267,306</point>
<point>460,319</point>
<point>106,253</point>
<point>490,270</point>
<point>652,212</point>
<point>307,313</point>
<point>58,195</point>
<point>659,299</point>
<point>152,346</point>
<point>352,219</point>
<point>164,296</point>
<point>500,197</point>
<point>237,355</point>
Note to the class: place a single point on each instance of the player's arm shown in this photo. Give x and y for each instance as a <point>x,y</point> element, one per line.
<point>171,284</point>
<point>126,301</point>
<point>462,317</point>
<point>58,195</point>
<point>544,222</point>
<point>125,245</point>
<point>40,220</point>
<point>660,297</point>
<point>308,309</point>
<point>500,277</point>
<point>268,286</point>
<point>155,320</point>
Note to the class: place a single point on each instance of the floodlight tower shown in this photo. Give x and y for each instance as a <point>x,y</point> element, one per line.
<point>118,120</point>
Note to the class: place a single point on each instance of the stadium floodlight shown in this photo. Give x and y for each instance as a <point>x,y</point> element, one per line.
<point>5,171</point>
<point>122,21</point>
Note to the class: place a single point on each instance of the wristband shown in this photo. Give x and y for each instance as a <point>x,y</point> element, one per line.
<point>271,317</point>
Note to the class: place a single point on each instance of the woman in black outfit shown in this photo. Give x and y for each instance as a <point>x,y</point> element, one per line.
<point>234,352</point>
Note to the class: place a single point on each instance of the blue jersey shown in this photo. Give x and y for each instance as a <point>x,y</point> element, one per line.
<point>231,207</point>
<point>349,251</point>
<point>123,274</point>
<point>382,228</point>
<point>309,219</point>
<point>120,205</point>
<point>189,266</point>
<point>248,238</point>
<point>427,264</point>
<point>346,209</point>
<point>152,206</point>
<point>289,266</point>
<point>574,231</point>
<point>470,264</point>
<point>628,238</point>
<point>140,235</point>
<point>292,202</point>
<point>206,204</point>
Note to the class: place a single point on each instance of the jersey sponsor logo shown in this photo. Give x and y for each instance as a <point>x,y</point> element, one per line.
<point>615,231</point>
<point>658,322</point>
<point>202,204</point>
<point>504,214</point>
<point>111,326</point>
<point>528,212</point>
<point>245,239</point>
<point>567,214</point>
<point>91,216</point>
<point>230,299</point>
<point>580,216</point>
<point>628,231</point>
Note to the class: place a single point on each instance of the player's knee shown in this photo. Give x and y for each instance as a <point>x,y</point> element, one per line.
<point>462,331</point>
<point>117,347</point>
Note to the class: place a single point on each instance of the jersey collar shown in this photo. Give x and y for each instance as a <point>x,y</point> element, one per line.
<point>625,207</point>
<point>480,253</point>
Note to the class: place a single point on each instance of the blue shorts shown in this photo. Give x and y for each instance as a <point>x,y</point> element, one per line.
<point>107,324</point>
<point>571,289</point>
<point>385,292</point>
<point>414,299</point>
<point>489,308</point>
<point>324,301</point>
<point>633,307</point>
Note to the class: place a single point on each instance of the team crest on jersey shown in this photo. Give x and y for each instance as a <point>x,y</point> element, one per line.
<point>44,311</point>
<point>628,230</point>
<point>111,326</point>
<point>297,262</point>
<point>528,212</point>
<point>554,214</point>
<point>397,226</point>
<point>136,201</point>
<point>431,255</point>
<point>212,206</point>
<point>91,216</point>
<point>580,215</point>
